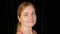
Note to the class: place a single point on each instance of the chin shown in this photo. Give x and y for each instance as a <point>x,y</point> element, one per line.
<point>30,25</point>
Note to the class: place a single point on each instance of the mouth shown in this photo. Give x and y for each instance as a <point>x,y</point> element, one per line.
<point>30,21</point>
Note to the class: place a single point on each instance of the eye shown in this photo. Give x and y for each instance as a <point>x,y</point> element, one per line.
<point>26,14</point>
<point>33,13</point>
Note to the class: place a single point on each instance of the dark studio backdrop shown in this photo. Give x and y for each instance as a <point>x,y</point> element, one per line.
<point>9,16</point>
<point>12,15</point>
<point>48,16</point>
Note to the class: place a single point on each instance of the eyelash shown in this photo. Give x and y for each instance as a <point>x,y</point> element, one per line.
<point>34,14</point>
<point>27,14</point>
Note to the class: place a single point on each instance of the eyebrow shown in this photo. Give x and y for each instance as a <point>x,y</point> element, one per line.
<point>28,12</point>
<point>25,12</point>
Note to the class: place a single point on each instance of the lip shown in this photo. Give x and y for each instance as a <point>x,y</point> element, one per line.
<point>30,21</point>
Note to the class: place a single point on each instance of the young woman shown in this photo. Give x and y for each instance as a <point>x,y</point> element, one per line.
<point>27,18</point>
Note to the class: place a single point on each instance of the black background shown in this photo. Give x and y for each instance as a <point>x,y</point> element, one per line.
<point>12,5</point>
<point>9,15</point>
<point>48,16</point>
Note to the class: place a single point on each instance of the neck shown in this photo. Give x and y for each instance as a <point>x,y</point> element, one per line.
<point>26,30</point>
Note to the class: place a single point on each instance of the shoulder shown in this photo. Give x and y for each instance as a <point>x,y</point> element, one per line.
<point>34,32</point>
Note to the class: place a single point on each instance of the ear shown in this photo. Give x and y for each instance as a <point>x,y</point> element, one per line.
<point>19,18</point>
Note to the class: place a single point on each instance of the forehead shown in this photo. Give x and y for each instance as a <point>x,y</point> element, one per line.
<point>29,9</point>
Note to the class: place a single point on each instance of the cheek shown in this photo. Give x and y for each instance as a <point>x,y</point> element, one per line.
<point>35,19</point>
<point>23,19</point>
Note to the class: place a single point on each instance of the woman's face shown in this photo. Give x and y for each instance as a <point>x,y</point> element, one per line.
<point>28,16</point>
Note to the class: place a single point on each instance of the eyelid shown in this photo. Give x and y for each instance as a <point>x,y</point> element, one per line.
<point>25,14</point>
<point>34,13</point>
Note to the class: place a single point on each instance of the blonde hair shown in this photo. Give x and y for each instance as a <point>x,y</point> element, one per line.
<point>21,8</point>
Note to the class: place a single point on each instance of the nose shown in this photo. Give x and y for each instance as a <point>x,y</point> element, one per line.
<point>31,17</point>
